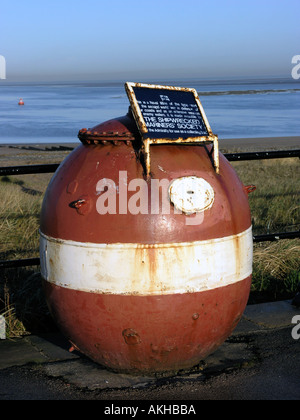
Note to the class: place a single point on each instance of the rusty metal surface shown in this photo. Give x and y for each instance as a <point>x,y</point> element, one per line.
<point>200,140</point>
<point>148,334</point>
<point>49,168</point>
<point>95,263</point>
<point>249,188</point>
<point>140,269</point>
<point>116,131</point>
<point>89,164</point>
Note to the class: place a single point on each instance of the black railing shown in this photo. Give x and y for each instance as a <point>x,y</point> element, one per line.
<point>262,155</point>
<point>25,262</point>
<point>29,169</point>
<point>50,168</point>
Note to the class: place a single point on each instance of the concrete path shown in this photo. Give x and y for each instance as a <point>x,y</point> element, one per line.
<point>261,360</point>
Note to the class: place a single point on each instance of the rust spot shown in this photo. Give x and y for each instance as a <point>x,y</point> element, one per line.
<point>249,188</point>
<point>82,205</point>
<point>162,354</point>
<point>146,260</point>
<point>131,337</point>
<point>154,348</point>
<point>237,250</point>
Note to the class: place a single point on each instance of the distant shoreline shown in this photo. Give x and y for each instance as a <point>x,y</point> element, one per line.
<point>251,142</point>
<point>291,142</point>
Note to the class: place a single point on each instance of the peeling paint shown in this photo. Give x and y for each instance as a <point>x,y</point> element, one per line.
<point>191,194</point>
<point>141,269</point>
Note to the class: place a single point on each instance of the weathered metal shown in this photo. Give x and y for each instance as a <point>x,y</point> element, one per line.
<point>231,157</point>
<point>210,138</point>
<point>140,276</point>
<point>50,168</point>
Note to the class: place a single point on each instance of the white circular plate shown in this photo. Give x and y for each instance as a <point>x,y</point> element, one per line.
<point>191,194</point>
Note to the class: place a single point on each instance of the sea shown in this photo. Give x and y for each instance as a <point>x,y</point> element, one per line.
<point>54,112</point>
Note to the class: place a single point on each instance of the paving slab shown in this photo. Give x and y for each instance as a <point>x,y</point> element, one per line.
<point>53,346</point>
<point>34,349</point>
<point>84,373</point>
<point>19,352</point>
<point>271,315</point>
<point>56,361</point>
<point>51,352</point>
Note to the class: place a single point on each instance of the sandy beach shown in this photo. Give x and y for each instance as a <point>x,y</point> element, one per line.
<point>260,144</point>
<point>39,153</point>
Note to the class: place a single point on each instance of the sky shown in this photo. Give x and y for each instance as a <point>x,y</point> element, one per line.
<point>132,39</point>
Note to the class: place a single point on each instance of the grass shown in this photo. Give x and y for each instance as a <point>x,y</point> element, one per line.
<point>276,270</point>
<point>19,219</point>
<point>21,297</point>
<point>274,207</point>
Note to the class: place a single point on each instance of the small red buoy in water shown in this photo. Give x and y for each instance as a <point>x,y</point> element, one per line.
<point>21,102</point>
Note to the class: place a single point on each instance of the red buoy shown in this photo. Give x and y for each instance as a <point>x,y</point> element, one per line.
<point>145,274</point>
<point>21,102</point>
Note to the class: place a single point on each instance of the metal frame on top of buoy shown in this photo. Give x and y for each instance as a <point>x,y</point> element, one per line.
<point>144,131</point>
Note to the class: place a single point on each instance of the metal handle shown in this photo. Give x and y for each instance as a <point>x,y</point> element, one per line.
<point>249,188</point>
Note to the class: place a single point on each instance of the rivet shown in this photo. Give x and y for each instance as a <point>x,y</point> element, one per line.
<point>131,337</point>
<point>195,316</point>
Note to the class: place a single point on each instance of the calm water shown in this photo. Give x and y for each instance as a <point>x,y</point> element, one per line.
<point>54,112</point>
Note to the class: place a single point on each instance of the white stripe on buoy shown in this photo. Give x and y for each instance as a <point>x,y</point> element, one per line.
<point>142,269</point>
